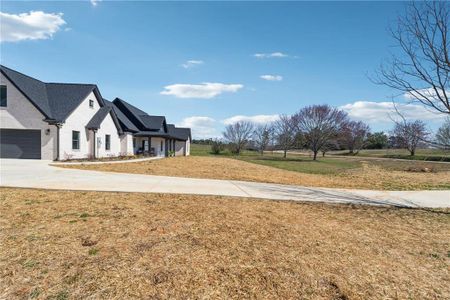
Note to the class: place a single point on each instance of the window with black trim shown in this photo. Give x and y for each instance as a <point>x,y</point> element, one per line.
<point>162,145</point>
<point>75,140</point>
<point>3,100</point>
<point>107,142</point>
<point>91,103</point>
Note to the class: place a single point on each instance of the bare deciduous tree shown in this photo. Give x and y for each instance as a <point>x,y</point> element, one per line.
<point>443,135</point>
<point>409,134</point>
<point>331,145</point>
<point>422,71</point>
<point>238,134</point>
<point>261,136</point>
<point>285,133</point>
<point>354,135</point>
<point>319,125</point>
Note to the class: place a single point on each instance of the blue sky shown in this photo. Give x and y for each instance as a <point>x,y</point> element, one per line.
<point>205,64</point>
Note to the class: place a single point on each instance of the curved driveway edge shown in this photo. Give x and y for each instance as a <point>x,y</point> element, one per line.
<point>39,174</point>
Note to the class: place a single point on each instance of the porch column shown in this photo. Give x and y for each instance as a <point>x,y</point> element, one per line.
<point>149,145</point>
<point>166,148</point>
<point>94,142</point>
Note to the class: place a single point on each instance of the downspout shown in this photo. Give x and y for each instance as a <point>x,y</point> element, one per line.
<point>94,152</point>
<point>58,126</point>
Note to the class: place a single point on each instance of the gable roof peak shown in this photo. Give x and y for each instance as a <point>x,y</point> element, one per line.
<point>56,101</point>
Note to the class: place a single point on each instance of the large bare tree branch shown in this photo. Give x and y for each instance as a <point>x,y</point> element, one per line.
<point>422,70</point>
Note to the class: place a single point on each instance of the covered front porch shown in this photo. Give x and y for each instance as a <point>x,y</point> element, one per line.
<point>155,144</point>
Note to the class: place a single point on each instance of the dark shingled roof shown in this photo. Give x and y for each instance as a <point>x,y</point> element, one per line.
<point>179,133</point>
<point>153,122</point>
<point>64,98</point>
<point>133,113</point>
<point>98,118</point>
<point>56,101</point>
<point>142,120</point>
<point>125,123</point>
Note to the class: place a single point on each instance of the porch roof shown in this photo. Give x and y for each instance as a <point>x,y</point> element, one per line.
<point>151,134</point>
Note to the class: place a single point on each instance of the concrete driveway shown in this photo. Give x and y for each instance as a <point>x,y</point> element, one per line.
<point>39,174</point>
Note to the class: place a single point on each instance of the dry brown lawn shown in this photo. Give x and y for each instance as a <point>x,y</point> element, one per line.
<point>367,177</point>
<point>77,245</point>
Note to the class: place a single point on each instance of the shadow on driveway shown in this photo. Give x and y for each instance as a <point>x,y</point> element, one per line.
<point>325,195</point>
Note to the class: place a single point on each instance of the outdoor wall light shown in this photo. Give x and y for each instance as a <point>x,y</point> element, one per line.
<point>47,131</point>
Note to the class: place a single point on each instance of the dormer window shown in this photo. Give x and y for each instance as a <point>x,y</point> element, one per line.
<point>91,103</point>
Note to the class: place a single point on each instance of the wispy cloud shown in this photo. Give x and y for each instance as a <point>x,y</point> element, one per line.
<point>192,63</point>
<point>379,113</point>
<point>201,127</point>
<point>271,77</point>
<point>95,2</point>
<point>257,119</point>
<point>35,25</point>
<point>423,94</point>
<point>270,55</point>
<point>205,90</point>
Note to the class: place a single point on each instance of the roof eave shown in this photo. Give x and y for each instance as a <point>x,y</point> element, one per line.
<point>25,95</point>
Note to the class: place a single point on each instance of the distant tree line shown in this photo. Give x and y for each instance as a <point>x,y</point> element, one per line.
<point>322,128</point>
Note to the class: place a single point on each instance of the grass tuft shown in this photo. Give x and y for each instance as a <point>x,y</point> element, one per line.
<point>35,293</point>
<point>30,264</point>
<point>62,295</point>
<point>93,251</point>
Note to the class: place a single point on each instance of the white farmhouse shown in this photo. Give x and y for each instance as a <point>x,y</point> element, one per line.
<point>58,121</point>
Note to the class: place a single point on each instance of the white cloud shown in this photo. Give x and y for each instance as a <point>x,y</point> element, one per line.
<point>201,127</point>
<point>270,55</point>
<point>205,90</point>
<point>35,25</point>
<point>429,93</point>
<point>377,113</point>
<point>192,63</point>
<point>271,77</point>
<point>95,2</point>
<point>257,119</point>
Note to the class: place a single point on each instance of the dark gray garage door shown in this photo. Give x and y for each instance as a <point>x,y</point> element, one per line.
<point>17,143</point>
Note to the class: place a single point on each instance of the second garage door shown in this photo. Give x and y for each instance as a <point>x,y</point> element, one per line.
<point>18,143</point>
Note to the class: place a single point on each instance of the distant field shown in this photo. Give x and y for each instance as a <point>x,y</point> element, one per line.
<point>292,163</point>
<point>421,154</point>
<point>302,161</point>
<point>99,245</point>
